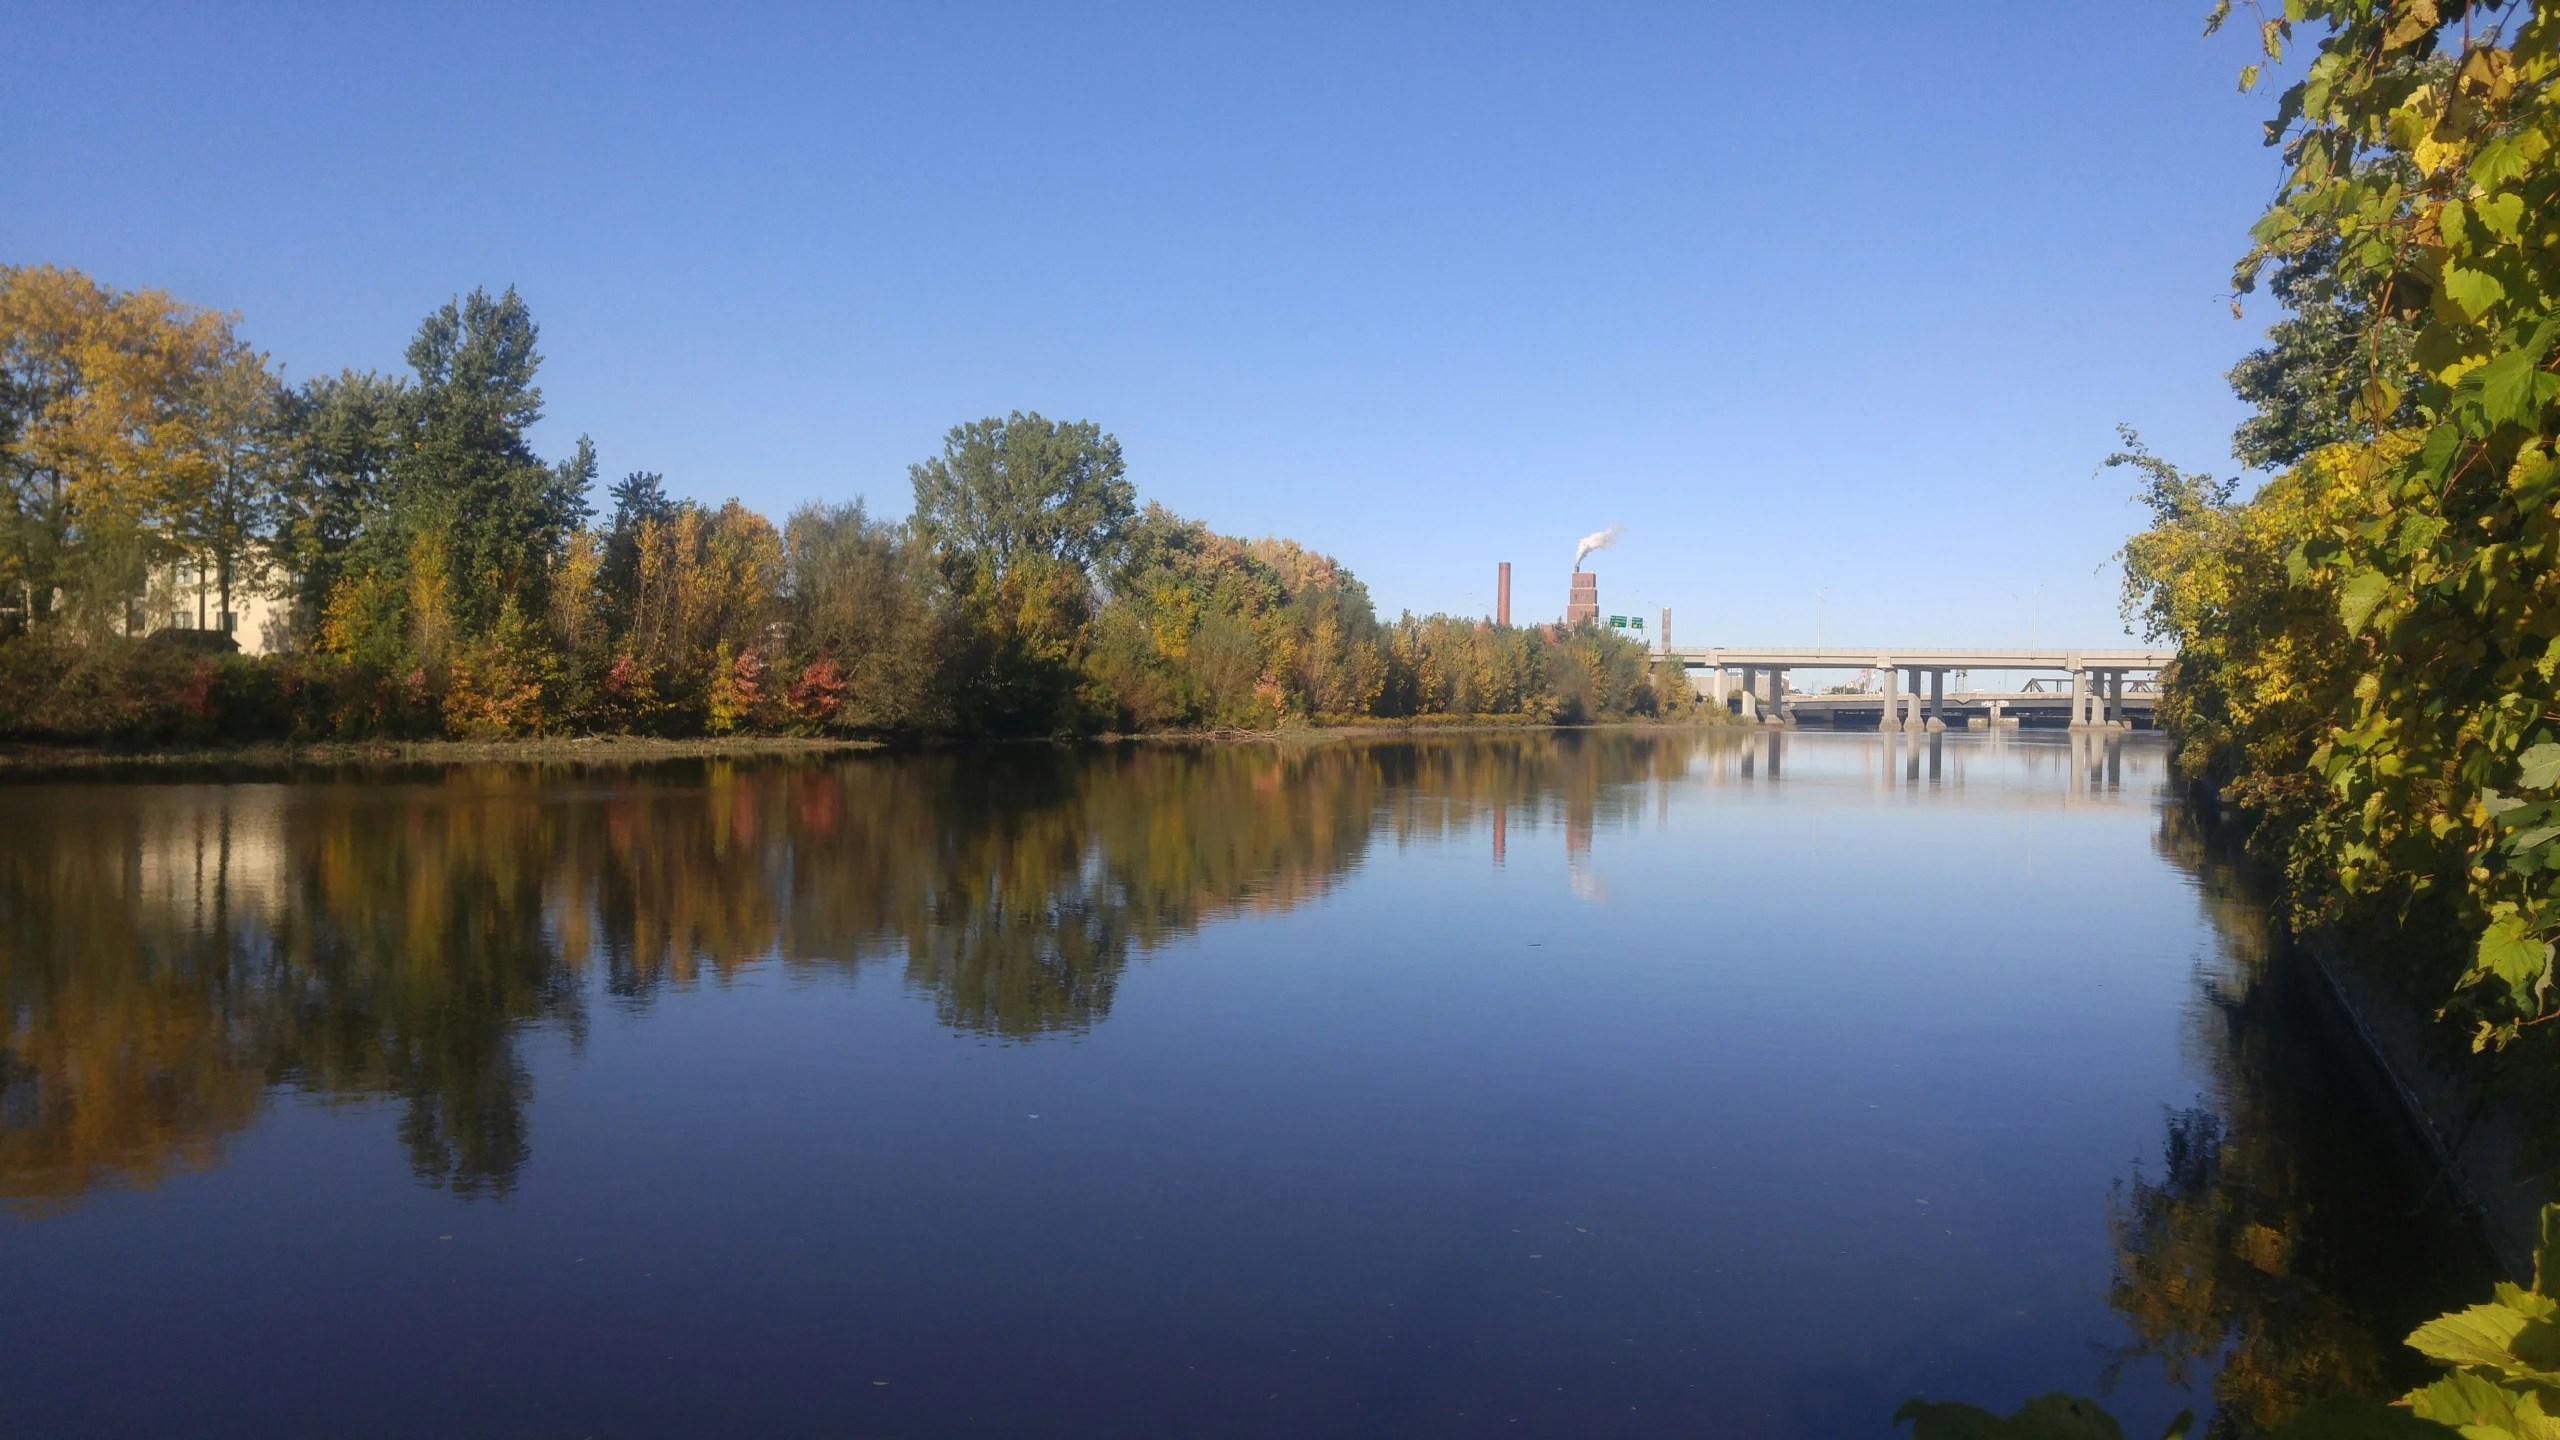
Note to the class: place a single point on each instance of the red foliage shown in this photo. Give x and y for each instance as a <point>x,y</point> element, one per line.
<point>819,691</point>
<point>623,680</point>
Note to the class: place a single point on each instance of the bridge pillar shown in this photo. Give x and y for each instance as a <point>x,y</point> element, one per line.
<point>1911,718</point>
<point>1746,708</point>
<point>1937,704</point>
<point>2079,698</point>
<point>1892,703</point>
<point>1779,710</point>
<point>2115,701</point>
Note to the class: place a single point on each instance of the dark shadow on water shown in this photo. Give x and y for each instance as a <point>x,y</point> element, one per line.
<point>2290,1230</point>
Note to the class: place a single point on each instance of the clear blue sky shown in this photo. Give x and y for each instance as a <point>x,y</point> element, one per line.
<point>1837,299</point>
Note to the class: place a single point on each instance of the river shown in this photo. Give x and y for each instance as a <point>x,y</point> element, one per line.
<point>1611,1083</point>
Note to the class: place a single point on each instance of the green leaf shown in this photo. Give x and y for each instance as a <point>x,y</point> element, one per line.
<point>2380,399</point>
<point>2465,1400</point>
<point>2277,223</point>
<point>2352,1417</point>
<point>2546,1255</point>
<point>2514,387</point>
<point>2047,1417</point>
<point>2356,598</point>
<point>2501,213</point>
<point>2532,838</point>
<point>2496,163</point>
<point>2472,291</point>
<point>2509,950</point>
<point>2541,766</point>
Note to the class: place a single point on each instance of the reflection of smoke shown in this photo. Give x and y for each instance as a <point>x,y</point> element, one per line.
<point>1600,540</point>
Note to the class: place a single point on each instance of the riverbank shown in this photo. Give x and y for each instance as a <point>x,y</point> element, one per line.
<point>2483,1146</point>
<point>23,757</point>
<point>2462,1109</point>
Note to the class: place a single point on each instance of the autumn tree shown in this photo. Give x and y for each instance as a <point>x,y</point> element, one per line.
<point>227,487</point>
<point>702,597</point>
<point>2395,689</point>
<point>870,621</point>
<point>106,433</point>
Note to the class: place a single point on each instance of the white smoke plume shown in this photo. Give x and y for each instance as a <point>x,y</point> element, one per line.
<point>1600,541</point>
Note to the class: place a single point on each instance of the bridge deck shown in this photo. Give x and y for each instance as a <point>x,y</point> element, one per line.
<point>1835,658</point>
<point>2012,700</point>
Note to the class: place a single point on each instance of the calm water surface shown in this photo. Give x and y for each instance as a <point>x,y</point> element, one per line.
<point>1610,1084</point>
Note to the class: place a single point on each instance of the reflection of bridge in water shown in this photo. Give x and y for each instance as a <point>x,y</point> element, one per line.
<point>2091,689</point>
<point>2091,762</point>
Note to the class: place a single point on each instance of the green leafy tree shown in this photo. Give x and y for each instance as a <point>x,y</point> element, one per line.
<point>869,621</point>
<point>465,466</point>
<point>2320,356</point>
<point>230,490</point>
<point>1022,488</point>
<point>347,428</point>
<point>637,499</point>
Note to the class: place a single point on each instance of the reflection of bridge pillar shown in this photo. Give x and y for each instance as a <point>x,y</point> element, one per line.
<point>1891,704</point>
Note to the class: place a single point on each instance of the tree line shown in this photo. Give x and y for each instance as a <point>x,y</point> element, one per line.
<point>2369,643</point>
<point>431,575</point>
<point>2368,676</point>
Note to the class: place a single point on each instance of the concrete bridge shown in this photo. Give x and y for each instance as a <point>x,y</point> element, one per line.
<point>2106,688</point>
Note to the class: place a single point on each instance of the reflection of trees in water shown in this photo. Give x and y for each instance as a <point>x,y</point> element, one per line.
<point>2223,1263</point>
<point>171,953</point>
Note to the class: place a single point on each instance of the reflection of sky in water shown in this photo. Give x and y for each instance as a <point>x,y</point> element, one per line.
<point>1634,1083</point>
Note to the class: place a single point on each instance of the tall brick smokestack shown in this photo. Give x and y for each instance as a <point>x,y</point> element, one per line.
<point>1502,596</point>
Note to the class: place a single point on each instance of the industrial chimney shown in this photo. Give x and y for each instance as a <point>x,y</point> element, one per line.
<point>1502,596</point>
<point>1585,604</point>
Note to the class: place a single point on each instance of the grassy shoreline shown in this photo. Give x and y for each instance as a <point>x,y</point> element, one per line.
<point>36,757</point>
